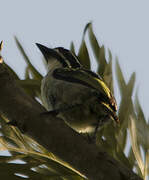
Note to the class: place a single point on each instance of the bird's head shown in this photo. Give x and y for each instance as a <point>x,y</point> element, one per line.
<point>59,57</point>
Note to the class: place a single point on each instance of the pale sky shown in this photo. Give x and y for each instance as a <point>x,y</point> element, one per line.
<point>122,26</point>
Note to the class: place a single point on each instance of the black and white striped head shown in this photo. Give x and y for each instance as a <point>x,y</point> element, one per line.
<point>59,57</point>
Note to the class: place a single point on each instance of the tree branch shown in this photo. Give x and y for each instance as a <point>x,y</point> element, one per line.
<point>55,135</point>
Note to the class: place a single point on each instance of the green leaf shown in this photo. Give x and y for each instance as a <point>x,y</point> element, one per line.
<point>86,28</point>
<point>34,72</point>
<point>83,55</point>
<point>110,55</point>
<point>135,146</point>
<point>27,73</point>
<point>142,126</point>
<point>98,51</point>
<point>120,78</point>
<point>102,61</point>
<point>72,47</point>
<point>146,168</point>
<point>30,84</point>
<point>139,110</point>
<point>108,76</point>
<point>121,139</point>
<point>93,41</point>
<point>131,158</point>
<point>125,108</point>
<point>126,105</point>
<point>131,83</point>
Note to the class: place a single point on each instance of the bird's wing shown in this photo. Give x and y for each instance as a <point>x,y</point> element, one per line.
<point>89,79</point>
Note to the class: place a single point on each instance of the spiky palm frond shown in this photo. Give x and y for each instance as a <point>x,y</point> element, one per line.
<point>38,163</point>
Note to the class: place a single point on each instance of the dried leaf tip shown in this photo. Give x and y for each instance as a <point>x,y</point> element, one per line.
<point>1,45</point>
<point>1,60</point>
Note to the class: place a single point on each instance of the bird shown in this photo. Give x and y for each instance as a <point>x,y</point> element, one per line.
<point>77,95</point>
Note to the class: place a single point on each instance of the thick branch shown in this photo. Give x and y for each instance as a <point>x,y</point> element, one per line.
<point>56,136</point>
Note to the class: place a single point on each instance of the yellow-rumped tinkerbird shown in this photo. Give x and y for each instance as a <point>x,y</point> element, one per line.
<point>77,95</point>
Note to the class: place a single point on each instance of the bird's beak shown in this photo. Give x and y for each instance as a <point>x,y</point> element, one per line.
<point>47,52</point>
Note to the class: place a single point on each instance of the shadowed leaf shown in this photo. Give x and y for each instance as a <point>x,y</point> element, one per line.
<point>72,48</point>
<point>108,76</point>
<point>102,61</point>
<point>131,157</point>
<point>93,42</point>
<point>110,55</point>
<point>135,147</point>
<point>125,110</point>
<point>30,84</point>
<point>131,83</point>
<point>126,106</point>
<point>142,126</point>
<point>120,78</point>
<point>83,55</point>
<point>34,72</point>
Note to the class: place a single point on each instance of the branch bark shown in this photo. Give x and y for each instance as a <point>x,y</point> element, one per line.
<point>55,135</point>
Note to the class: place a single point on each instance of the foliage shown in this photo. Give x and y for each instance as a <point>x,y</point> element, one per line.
<point>38,163</point>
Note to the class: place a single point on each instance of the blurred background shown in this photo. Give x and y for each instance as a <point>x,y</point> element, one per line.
<point>122,26</point>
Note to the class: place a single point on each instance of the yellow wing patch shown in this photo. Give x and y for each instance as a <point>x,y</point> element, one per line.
<point>107,105</point>
<point>106,89</point>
